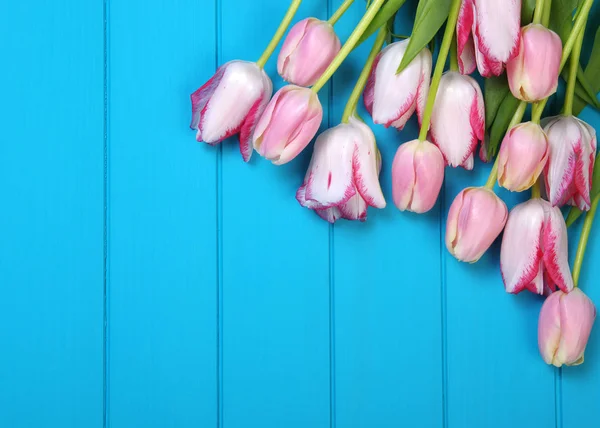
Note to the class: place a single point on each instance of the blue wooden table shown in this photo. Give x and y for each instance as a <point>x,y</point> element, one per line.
<point>151,281</point>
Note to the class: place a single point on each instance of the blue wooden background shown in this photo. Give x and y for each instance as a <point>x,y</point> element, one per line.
<point>151,281</point>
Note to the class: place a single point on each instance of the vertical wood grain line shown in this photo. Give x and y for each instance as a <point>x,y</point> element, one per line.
<point>331,230</point>
<point>444,309</point>
<point>105,345</point>
<point>558,398</point>
<point>219,220</point>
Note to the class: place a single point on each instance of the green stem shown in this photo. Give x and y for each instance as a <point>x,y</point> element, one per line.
<point>573,66</point>
<point>516,119</point>
<point>536,113</point>
<point>546,15</point>
<point>454,55</point>
<point>364,75</point>
<point>539,8</point>
<point>580,22</point>
<point>340,11</point>
<point>349,45</point>
<point>439,67</point>
<point>583,240</point>
<point>536,191</point>
<point>285,23</point>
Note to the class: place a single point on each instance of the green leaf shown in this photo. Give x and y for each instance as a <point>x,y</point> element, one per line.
<point>505,114</point>
<point>587,87</point>
<point>592,74</point>
<point>575,212</point>
<point>561,17</point>
<point>527,9</point>
<point>431,15</point>
<point>386,12</point>
<point>496,89</point>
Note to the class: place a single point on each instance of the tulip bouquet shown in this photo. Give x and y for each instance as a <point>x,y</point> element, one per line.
<point>520,48</point>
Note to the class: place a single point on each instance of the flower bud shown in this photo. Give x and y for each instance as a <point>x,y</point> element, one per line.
<point>564,327</point>
<point>458,119</point>
<point>568,173</point>
<point>522,156</point>
<point>307,51</point>
<point>535,249</point>
<point>391,98</point>
<point>417,176</point>
<point>289,123</point>
<point>533,73</point>
<point>475,220</point>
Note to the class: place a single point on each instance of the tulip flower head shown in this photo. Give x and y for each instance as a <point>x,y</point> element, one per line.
<point>564,327</point>
<point>535,249</point>
<point>307,51</point>
<point>288,124</point>
<point>392,98</point>
<point>458,119</point>
<point>230,103</point>
<point>417,176</point>
<point>488,34</point>
<point>342,180</point>
<point>475,220</point>
<point>522,157</point>
<point>568,173</point>
<point>533,73</point>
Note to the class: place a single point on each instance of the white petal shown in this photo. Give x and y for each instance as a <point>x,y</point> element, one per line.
<point>498,26</point>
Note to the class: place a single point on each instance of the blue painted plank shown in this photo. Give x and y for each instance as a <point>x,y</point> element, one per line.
<point>51,251</point>
<point>275,298</point>
<point>162,211</point>
<point>580,389</point>
<point>495,374</point>
<point>387,293</point>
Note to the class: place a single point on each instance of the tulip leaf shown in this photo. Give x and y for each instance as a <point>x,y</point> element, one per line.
<point>592,75</point>
<point>561,17</point>
<point>527,9</point>
<point>496,90</point>
<point>505,114</point>
<point>431,15</point>
<point>575,212</point>
<point>387,11</point>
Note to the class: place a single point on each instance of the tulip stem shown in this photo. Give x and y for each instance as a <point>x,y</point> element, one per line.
<point>439,67</point>
<point>573,66</point>
<point>340,11</point>
<point>580,22</point>
<point>583,240</point>
<point>539,8</point>
<point>349,45</point>
<point>285,23</point>
<point>516,119</point>
<point>536,191</point>
<point>454,55</point>
<point>364,75</point>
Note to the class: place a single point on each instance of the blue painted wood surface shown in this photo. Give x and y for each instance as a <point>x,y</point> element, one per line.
<point>151,281</point>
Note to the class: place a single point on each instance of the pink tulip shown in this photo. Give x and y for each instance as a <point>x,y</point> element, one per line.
<point>568,173</point>
<point>417,176</point>
<point>342,180</point>
<point>230,103</point>
<point>307,51</point>
<point>535,249</point>
<point>289,123</point>
<point>458,119</point>
<point>533,73</point>
<point>392,98</point>
<point>488,35</point>
<point>476,218</point>
<point>522,156</point>
<point>564,327</point>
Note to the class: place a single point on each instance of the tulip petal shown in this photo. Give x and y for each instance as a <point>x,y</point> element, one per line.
<point>556,249</point>
<point>498,29</point>
<point>369,92</point>
<point>290,44</point>
<point>331,215</point>
<point>577,313</point>
<point>521,253</point>
<point>354,209</point>
<point>563,137</point>
<point>330,175</point>
<point>465,46</point>
<point>303,136</point>
<point>549,327</point>
<point>247,130</point>
<point>364,164</point>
